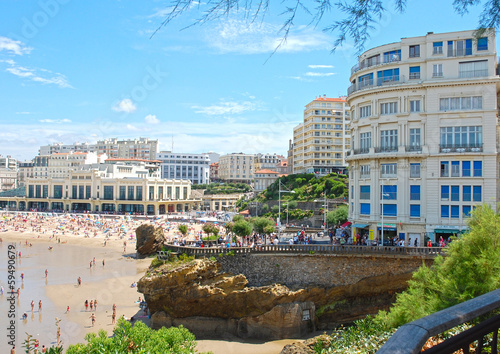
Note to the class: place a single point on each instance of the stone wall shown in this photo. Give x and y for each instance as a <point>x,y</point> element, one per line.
<point>300,271</point>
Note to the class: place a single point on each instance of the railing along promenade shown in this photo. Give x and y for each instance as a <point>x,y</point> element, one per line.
<point>424,252</point>
<point>411,337</point>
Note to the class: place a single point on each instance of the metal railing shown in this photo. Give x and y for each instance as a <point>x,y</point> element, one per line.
<point>411,337</point>
<point>361,151</point>
<point>410,148</point>
<point>304,249</point>
<point>379,149</point>
<point>460,147</point>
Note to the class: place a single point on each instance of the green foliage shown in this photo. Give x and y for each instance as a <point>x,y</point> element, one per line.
<point>292,205</point>
<point>137,339</point>
<point>229,226</point>
<point>275,209</point>
<point>156,263</point>
<point>470,268</point>
<point>238,218</point>
<point>259,224</point>
<point>269,229</point>
<point>223,188</point>
<point>230,253</point>
<point>183,229</point>
<point>265,209</point>
<point>211,230</point>
<point>338,216</point>
<point>242,228</point>
<point>213,258</point>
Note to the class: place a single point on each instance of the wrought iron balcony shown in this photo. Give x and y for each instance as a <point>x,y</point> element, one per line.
<point>386,149</point>
<point>460,147</point>
<point>361,151</point>
<point>411,148</point>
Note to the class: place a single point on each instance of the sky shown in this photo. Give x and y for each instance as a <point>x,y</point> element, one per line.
<point>76,71</point>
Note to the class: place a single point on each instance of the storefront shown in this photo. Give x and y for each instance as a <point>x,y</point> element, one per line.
<point>390,232</point>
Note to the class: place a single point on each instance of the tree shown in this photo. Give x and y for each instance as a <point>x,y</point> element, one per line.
<point>242,228</point>
<point>471,268</point>
<point>354,19</point>
<point>137,339</point>
<point>259,224</point>
<point>210,229</point>
<point>292,204</point>
<point>238,218</point>
<point>338,216</point>
<point>183,229</point>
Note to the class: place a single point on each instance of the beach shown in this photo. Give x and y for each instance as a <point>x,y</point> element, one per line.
<point>66,246</point>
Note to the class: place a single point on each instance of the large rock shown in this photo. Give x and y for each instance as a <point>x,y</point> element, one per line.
<point>150,239</point>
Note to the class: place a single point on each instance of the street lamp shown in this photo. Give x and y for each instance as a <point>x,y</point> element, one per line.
<point>325,210</point>
<point>279,206</point>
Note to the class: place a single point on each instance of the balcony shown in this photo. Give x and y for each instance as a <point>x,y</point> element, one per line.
<point>375,61</point>
<point>472,73</point>
<point>445,148</point>
<point>459,52</point>
<point>413,148</point>
<point>386,149</point>
<point>361,151</point>
<point>379,82</point>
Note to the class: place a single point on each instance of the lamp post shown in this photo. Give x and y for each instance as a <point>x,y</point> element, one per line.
<point>279,206</point>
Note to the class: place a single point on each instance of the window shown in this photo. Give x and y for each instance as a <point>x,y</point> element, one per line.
<point>414,210</point>
<point>482,43</point>
<point>365,111</point>
<point>473,69</point>
<point>389,192</point>
<point>365,171</point>
<point>364,192</point>
<point>466,209</point>
<point>414,51</point>
<point>389,108</point>
<point>365,141</point>
<point>445,211</point>
<point>364,209</point>
<point>414,192</point>
<point>122,192</point>
<point>462,137</point>
<point>389,169</point>
<point>455,193</point>
<point>58,191</point>
<point>445,192</point>
<point>88,190</point>
<point>45,191</point>
<point>414,106</point>
<point>414,72</point>
<point>387,76</point>
<point>130,194</point>
<point>445,169</point>
<point>455,211</point>
<point>74,191</point>
<point>460,103</point>
<point>477,194</point>
<point>389,140</point>
<point>414,170</point>
<point>437,48</point>
<point>455,168</point>
<point>414,138</point>
<point>108,192</point>
<point>465,168</point>
<point>138,193</point>
<point>466,193</point>
<point>437,70</point>
<point>460,48</point>
<point>365,80</point>
<point>394,55</point>
<point>478,168</point>
<point>389,209</point>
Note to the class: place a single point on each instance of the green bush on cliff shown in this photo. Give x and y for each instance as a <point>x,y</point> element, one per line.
<point>137,339</point>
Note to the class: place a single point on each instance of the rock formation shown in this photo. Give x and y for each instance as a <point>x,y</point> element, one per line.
<point>150,239</point>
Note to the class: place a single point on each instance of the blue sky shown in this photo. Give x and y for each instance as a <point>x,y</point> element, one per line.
<point>73,70</point>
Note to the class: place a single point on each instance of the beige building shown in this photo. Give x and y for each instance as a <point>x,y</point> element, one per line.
<point>220,202</point>
<point>267,161</point>
<point>113,188</point>
<point>60,164</point>
<point>236,167</point>
<point>321,142</point>
<point>425,138</point>
<point>8,179</point>
<point>142,148</point>
<point>264,178</point>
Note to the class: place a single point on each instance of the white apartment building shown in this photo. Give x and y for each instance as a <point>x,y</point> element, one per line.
<point>142,148</point>
<point>268,161</point>
<point>321,142</point>
<point>193,167</point>
<point>8,179</point>
<point>424,135</point>
<point>236,167</point>
<point>8,162</point>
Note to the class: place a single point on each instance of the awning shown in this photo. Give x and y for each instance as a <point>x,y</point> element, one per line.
<point>347,223</point>
<point>447,231</point>
<point>360,226</point>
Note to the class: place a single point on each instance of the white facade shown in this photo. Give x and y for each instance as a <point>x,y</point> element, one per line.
<point>142,148</point>
<point>264,178</point>
<point>236,167</point>
<point>321,142</point>
<point>193,167</point>
<point>424,135</point>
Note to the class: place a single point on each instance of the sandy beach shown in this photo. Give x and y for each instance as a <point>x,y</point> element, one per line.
<point>66,246</point>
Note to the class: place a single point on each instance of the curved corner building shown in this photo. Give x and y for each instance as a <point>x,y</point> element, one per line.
<point>424,136</point>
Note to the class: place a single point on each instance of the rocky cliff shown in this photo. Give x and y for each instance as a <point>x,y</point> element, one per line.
<point>150,239</point>
<point>207,298</point>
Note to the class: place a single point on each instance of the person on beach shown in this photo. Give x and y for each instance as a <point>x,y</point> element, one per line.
<point>32,305</point>
<point>103,262</point>
<point>86,305</point>
<point>113,317</point>
<point>91,304</point>
<point>79,281</point>
<point>95,305</point>
<point>93,319</point>
<point>18,292</point>
<point>22,276</point>
<point>1,290</point>
<point>67,309</point>
<point>90,264</point>
<point>40,305</point>
<point>93,261</point>
<point>13,350</point>
<point>46,273</point>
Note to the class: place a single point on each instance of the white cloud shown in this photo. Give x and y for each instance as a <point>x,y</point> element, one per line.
<point>132,128</point>
<point>318,74</point>
<point>165,11</point>
<point>59,121</point>
<point>244,37</point>
<point>125,105</point>
<point>15,47</point>
<point>151,119</point>
<point>225,108</point>
<point>320,66</point>
<point>43,76</point>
